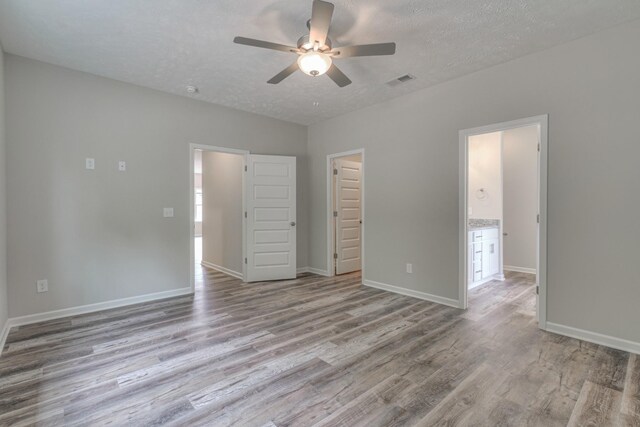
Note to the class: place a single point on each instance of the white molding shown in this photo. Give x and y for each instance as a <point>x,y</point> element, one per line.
<point>520,269</point>
<point>319,272</point>
<point>100,306</point>
<point>411,293</point>
<point>4,334</point>
<point>594,337</point>
<point>221,269</point>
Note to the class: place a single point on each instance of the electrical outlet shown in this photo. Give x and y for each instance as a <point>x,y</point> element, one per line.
<point>409,268</point>
<point>122,166</point>
<point>89,163</point>
<point>167,212</point>
<point>42,285</point>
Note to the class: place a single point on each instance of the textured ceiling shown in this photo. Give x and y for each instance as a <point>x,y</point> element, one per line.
<point>168,44</point>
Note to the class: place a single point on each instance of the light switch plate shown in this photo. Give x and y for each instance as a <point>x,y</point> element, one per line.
<point>42,286</point>
<point>409,268</point>
<point>90,163</point>
<point>122,166</point>
<point>168,212</point>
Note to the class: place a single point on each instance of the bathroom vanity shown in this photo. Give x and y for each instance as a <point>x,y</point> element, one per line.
<point>484,251</point>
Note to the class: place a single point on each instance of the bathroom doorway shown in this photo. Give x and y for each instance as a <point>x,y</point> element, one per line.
<point>503,206</point>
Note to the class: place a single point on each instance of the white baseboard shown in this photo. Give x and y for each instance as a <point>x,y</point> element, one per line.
<point>594,337</point>
<point>90,308</point>
<point>318,271</point>
<point>410,292</point>
<point>519,269</point>
<point>301,270</point>
<point>4,333</point>
<point>222,269</point>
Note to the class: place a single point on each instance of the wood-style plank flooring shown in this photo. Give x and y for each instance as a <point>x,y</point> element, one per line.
<point>314,351</point>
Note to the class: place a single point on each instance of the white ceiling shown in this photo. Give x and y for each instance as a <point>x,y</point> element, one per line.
<point>168,44</point>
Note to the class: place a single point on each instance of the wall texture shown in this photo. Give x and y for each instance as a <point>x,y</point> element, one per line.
<point>485,173</point>
<point>99,235</point>
<point>520,196</point>
<point>589,88</point>
<point>4,309</point>
<point>222,210</point>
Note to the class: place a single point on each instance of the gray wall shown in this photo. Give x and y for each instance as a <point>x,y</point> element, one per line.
<point>590,89</point>
<point>3,204</point>
<point>99,235</point>
<point>520,196</point>
<point>222,210</point>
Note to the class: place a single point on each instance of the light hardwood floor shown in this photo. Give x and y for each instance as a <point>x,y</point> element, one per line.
<point>314,351</point>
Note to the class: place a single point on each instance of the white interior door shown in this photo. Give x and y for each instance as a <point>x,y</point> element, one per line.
<point>348,241</point>
<point>271,218</point>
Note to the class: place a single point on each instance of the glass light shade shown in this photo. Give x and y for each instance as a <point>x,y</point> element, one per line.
<point>314,63</point>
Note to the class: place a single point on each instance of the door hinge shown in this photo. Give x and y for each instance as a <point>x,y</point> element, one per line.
<point>335,214</point>
<point>245,260</point>
<point>538,148</point>
<point>335,256</point>
<point>245,214</point>
<point>335,171</point>
<point>245,168</point>
<point>538,218</point>
<point>537,290</point>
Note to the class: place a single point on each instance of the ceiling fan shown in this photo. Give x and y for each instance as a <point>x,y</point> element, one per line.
<point>315,52</point>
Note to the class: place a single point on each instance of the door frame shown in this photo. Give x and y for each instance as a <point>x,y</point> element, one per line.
<point>542,122</point>
<point>192,261</point>
<point>330,234</point>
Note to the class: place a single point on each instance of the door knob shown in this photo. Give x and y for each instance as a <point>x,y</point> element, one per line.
<point>293,223</point>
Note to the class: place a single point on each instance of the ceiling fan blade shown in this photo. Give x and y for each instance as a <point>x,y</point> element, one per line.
<point>284,74</point>
<point>320,21</point>
<point>365,50</point>
<point>264,44</point>
<point>338,76</point>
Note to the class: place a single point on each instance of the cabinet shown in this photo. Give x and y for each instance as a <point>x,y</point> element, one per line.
<point>484,255</point>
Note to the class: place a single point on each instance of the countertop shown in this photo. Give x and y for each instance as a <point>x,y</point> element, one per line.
<point>482,224</point>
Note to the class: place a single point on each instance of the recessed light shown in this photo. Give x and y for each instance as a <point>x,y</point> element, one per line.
<point>316,103</point>
<point>192,89</point>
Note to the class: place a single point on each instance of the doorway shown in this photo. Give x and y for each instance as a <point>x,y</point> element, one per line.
<point>503,197</point>
<point>249,201</point>
<point>345,203</point>
<point>217,205</point>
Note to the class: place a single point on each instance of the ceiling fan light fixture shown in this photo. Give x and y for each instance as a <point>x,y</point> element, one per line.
<point>314,63</point>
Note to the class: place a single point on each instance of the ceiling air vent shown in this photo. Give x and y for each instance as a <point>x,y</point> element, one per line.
<point>401,79</point>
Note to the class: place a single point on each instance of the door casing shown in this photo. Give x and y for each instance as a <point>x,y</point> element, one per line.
<point>542,122</point>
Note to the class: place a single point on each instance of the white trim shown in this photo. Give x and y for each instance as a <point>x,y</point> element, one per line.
<point>319,272</point>
<point>4,334</point>
<point>330,272</point>
<point>411,293</point>
<point>192,262</point>
<point>520,269</point>
<point>541,278</point>
<point>221,269</point>
<point>100,306</point>
<point>594,337</point>
<point>301,270</point>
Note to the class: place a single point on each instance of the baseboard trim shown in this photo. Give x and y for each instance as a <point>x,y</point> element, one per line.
<point>301,270</point>
<point>90,308</point>
<point>222,269</point>
<point>594,337</point>
<point>4,334</point>
<point>411,293</point>
<point>318,271</point>
<point>519,269</point>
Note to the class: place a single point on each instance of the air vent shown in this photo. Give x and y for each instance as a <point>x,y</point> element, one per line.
<point>401,79</point>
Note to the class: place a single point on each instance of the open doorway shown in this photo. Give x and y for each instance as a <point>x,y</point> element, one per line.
<point>217,204</point>
<point>345,194</point>
<point>503,207</point>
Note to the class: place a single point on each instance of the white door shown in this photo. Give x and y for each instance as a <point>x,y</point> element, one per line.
<point>348,183</point>
<point>271,218</point>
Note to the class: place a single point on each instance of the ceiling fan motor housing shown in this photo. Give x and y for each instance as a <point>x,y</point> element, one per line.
<point>305,44</point>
